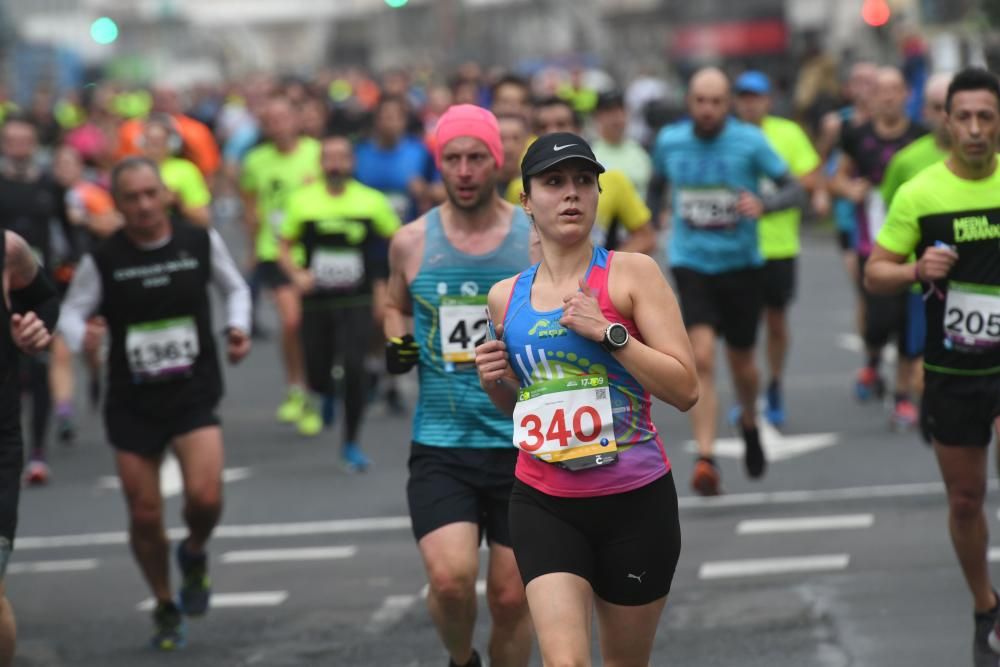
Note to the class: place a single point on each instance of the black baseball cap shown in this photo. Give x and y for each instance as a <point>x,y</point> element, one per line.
<point>554,148</point>
<point>610,99</point>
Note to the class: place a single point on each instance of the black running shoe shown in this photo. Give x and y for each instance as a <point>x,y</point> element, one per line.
<point>753,456</point>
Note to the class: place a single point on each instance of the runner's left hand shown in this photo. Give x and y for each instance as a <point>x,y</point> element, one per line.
<point>582,314</point>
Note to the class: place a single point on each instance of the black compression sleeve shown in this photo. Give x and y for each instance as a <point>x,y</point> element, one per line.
<point>40,297</point>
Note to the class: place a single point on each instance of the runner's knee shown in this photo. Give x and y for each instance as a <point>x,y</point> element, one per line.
<point>966,504</point>
<point>507,601</point>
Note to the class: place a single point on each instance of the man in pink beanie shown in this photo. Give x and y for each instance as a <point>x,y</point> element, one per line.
<point>441,268</point>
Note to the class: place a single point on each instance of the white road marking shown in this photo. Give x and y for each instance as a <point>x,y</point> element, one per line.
<point>480,588</point>
<point>264,530</point>
<point>819,495</point>
<point>390,523</point>
<point>769,566</point>
<point>777,446</point>
<point>171,480</point>
<point>285,555</point>
<point>994,554</point>
<point>852,342</point>
<point>224,600</point>
<point>805,524</point>
<point>392,610</point>
<point>50,566</point>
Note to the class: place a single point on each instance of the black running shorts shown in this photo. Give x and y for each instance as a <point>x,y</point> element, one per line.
<point>779,283</point>
<point>626,545</point>
<point>729,302</point>
<point>149,436</point>
<point>269,275</point>
<point>461,484</point>
<point>959,411</point>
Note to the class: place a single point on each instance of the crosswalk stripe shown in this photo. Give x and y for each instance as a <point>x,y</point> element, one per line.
<point>223,600</point>
<point>283,555</point>
<point>48,566</point>
<point>767,566</point>
<point>805,524</point>
<point>393,608</point>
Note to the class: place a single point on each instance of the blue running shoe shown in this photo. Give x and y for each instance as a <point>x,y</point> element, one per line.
<point>328,409</point>
<point>353,459</point>
<point>774,412</point>
<point>196,587</point>
<point>735,413</point>
<point>170,630</point>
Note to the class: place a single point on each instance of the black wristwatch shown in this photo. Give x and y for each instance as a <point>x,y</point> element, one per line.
<point>615,337</point>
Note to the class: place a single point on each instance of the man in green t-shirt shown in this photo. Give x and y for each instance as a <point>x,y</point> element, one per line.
<point>271,172</point>
<point>161,142</point>
<point>926,150</point>
<point>949,217</point>
<point>778,232</point>
<point>341,275</point>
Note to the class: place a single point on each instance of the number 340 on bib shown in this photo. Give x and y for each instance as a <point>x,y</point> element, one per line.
<point>565,419</point>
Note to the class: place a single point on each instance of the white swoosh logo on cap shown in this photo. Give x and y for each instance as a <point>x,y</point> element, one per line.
<point>559,148</point>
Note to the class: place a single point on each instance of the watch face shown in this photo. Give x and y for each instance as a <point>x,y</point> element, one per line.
<point>618,334</point>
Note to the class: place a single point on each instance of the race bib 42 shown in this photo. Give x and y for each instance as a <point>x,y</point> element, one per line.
<point>463,327</point>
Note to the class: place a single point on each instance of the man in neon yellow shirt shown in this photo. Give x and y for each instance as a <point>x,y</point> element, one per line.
<point>161,142</point>
<point>948,216</point>
<point>341,275</point>
<point>778,231</point>
<point>271,173</point>
<point>926,150</point>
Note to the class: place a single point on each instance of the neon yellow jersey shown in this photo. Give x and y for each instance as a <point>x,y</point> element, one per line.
<point>909,162</point>
<point>779,231</point>
<point>619,201</point>
<point>185,180</point>
<point>272,177</point>
<point>963,314</point>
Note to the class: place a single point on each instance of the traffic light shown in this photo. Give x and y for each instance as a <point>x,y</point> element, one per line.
<point>396,4</point>
<point>875,13</point>
<point>104,30</point>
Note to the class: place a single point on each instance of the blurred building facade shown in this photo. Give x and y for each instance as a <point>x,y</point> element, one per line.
<point>187,40</point>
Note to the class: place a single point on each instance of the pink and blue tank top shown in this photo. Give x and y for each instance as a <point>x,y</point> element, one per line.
<point>541,349</point>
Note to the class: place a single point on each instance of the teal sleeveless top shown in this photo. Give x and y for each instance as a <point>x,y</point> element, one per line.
<point>449,320</point>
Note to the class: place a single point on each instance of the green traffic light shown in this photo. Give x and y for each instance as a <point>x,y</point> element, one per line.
<point>104,30</point>
<point>396,4</point>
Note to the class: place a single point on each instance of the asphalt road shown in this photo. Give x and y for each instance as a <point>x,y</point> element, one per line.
<point>838,557</point>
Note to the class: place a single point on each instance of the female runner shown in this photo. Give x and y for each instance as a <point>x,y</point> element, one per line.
<point>585,337</point>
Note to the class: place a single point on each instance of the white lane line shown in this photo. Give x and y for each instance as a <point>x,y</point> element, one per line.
<point>285,555</point>
<point>392,611</point>
<point>480,588</point>
<point>390,523</point>
<point>805,524</point>
<point>819,495</point>
<point>852,342</point>
<point>726,569</point>
<point>231,600</point>
<point>291,529</point>
<point>171,480</point>
<point>49,566</point>
<point>994,554</point>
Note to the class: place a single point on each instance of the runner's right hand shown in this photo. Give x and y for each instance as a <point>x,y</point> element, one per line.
<point>401,354</point>
<point>493,362</point>
<point>304,281</point>
<point>936,263</point>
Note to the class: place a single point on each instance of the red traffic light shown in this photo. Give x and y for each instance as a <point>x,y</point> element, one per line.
<point>875,13</point>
